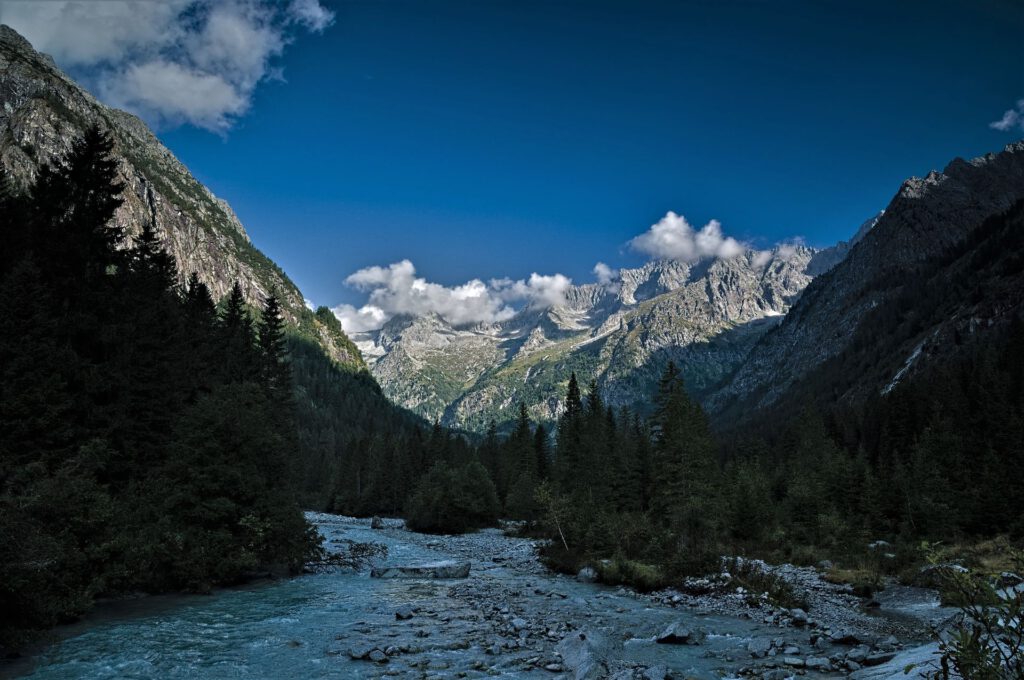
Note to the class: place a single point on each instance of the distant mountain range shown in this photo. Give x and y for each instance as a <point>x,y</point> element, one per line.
<point>752,332</point>
<point>705,316</point>
<point>746,330</point>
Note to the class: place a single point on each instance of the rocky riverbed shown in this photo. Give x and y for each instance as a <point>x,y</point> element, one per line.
<point>510,617</point>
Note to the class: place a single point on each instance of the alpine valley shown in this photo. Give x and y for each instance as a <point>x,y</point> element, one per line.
<point>745,328</point>
<point>756,464</point>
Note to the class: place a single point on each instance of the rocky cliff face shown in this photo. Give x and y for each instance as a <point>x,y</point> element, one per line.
<point>928,218</point>
<point>704,316</point>
<point>42,111</point>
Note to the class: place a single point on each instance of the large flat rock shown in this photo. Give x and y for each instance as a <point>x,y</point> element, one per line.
<point>433,570</point>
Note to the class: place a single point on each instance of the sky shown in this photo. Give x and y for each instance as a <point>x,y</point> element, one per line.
<point>470,157</point>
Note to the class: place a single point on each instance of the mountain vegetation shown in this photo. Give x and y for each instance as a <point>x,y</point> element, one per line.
<point>147,442</point>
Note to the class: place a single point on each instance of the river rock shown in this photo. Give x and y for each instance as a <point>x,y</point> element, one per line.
<point>448,569</point>
<point>879,658</point>
<point>677,634</point>
<point>844,637</point>
<point>794,661</point>
<point>404,612</point>
<point>587,575</point>
<point>655,673</point>
<point>799,617</point>
<point>1008,579</point>
<point>759,648</point>
<point>362,651</point>
<point>376,523</point>
<point>583,652</point>
<point>818,663</point>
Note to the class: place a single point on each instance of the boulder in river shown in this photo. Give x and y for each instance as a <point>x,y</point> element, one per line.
<point>376,523</point>
<point>583,652</point>
<point>587,575</point>
<point>449,569</point>
<point>678,634</point>
<point>759,648</point>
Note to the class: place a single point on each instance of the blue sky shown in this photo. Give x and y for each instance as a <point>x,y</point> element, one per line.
<point>495,139</point>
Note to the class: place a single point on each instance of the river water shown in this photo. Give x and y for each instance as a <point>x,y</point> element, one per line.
<point>505,619</point>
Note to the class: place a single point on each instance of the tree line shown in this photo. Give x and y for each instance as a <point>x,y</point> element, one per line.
<point>148,438</point>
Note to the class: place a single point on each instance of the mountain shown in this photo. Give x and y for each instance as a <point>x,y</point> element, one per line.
<point>941,266</point>
<point>705,316</point>
<point>42,111</point>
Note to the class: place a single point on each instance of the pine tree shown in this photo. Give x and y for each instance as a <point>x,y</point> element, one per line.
<point>541,451</point>
<point>238,339</point>
<point>276,374</point>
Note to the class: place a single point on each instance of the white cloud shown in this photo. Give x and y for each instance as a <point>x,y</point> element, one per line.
<point>539,290</point>
<point>175,94</point>
<point>605,274</point>
<point>311,14</point>
<point>396,289</point>
<point>761,258</point>
<point>1012,118</point>
<point>173,61</point>
<point>672,238</point>
<point>607,277</point>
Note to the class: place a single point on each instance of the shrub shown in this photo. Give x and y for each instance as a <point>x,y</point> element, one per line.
<point>989,643</point>
<point>454,501</point>
<point>638,575</point>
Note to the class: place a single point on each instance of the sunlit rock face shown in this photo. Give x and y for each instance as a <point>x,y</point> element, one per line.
<point>43,111</point>
<point>704,315</point>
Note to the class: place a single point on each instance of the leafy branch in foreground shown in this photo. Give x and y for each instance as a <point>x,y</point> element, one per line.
<point>989,642</point>
<point>353,556</point>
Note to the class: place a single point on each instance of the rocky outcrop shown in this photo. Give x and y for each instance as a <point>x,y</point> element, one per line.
<point>42,112</point>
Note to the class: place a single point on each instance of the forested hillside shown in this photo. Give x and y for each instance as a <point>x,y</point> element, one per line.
<point>147,442</point>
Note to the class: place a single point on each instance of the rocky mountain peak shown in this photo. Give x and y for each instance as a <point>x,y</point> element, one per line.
<point>926,219</point>
<point>42,112</point>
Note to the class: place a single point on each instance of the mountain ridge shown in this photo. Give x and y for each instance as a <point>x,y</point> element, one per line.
<point>926,218</point>
<point>704,314</point>
<point>43,110</point>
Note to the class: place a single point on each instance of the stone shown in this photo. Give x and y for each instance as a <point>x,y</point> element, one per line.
<point>376,523</point>
<point>587,575</point>
<point>879,658</point>
<point>794,661</point>
<point>775,674</point>
<point>1008,579</point>
<point>759,648</point>
<point>444,570</point>
<point>583,653</point>
<point>519,624</point>
<point>799,617</point>
<point>791,650</point>
<point>404,612</point>
<point>359,652</point>
<point>818,663</point>
<point>655,673</point>
<point>844,637</point>
<point>378,656</point>
<point>676,634</point>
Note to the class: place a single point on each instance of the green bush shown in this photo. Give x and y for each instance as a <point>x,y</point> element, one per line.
<point>454,501</point>
<point>638,575</point>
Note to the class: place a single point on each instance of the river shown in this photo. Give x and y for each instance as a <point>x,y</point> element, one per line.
<point>506,619</point>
